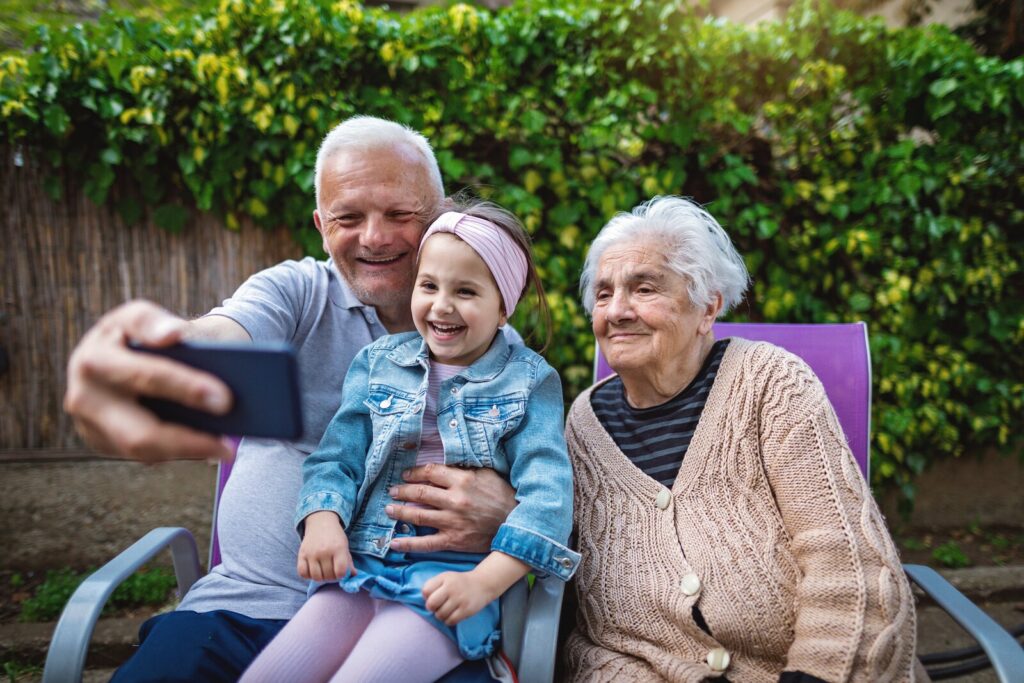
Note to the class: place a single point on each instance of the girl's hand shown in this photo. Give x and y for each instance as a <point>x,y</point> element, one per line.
<point>324,554</point>
<point>454,596</point>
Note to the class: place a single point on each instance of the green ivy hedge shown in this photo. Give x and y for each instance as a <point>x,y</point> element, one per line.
<point>866,174</point>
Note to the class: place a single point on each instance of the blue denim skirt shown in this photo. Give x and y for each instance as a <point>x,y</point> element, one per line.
<point>399,577</point>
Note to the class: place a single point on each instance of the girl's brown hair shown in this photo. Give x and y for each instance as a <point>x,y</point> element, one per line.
<point>513,227</point>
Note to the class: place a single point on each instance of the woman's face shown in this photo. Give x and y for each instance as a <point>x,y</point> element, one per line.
<point>643,319</point>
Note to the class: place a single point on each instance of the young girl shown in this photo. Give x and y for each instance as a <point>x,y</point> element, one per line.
<point>454,392</point>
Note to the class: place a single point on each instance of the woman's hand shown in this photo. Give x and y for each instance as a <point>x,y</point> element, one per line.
<point>468,507</point>
<point>105,379</point>
<point>324,554</point>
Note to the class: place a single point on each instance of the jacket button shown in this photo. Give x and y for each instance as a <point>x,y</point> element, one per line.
<point>404,528</point>
<point>455,390</point>
<point>379,543</point>
<point>690,584</point>
<point>453,423</point>
<point>718,659</point>
<point>417,407</point>
<point>386,403</point>
<point>564,561</point>
<point>663,499</point>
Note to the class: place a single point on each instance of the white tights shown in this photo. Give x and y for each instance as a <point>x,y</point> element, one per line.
<point>347,637</point>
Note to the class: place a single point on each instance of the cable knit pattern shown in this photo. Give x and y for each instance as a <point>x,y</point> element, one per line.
<point>797,570</point>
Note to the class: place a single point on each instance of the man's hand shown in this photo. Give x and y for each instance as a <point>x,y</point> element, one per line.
<point>468,507</point>
<point>105,378</point>
<point>324,554</point>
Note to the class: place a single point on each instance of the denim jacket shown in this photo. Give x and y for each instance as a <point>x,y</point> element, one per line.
<point>503,412</point>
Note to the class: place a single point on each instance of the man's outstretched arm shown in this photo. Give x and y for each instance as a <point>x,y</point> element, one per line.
<point>469,506</point>
<point>105,379</point>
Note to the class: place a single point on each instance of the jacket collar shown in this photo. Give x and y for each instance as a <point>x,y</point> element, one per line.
<point>414,351</point>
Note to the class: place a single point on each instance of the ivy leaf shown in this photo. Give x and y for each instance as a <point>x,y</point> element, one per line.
<point>860,302</point>
<point>170,217</point>
<point>56,119</point>
<point>130,210</point>
<point>943,87</point>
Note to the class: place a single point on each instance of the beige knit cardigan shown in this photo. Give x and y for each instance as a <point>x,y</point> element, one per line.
<point>769,524</point>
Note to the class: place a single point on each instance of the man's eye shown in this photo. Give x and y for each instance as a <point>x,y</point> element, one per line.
<point>401,215</point>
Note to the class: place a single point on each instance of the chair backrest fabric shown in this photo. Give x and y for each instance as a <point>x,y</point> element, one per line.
<point>837,353</point>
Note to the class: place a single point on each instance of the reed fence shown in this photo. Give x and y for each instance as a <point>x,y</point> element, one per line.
<point>66,262</point>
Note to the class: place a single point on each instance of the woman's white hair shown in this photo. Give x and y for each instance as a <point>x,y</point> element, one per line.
<point>368,133</point>
<point>694,244</point>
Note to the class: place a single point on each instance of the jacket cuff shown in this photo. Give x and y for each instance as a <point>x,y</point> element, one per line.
<point>321,501</point>
<point>545,555</point>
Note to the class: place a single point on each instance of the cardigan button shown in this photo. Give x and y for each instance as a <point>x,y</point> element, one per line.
<point>690,584</point>
<point>718,659</point>
<point>663,499</point>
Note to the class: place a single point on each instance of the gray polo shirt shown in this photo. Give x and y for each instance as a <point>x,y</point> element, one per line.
<point>309,305</point>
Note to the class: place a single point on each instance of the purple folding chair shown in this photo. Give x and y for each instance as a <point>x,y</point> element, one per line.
<point>839,355</point>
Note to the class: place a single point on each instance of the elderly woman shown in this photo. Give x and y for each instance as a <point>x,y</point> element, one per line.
<point>725,529</point>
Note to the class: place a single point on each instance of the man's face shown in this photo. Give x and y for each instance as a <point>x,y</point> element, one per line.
<point>371,214</point>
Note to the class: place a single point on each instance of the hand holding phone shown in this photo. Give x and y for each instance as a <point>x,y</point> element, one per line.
<point>263,379</point>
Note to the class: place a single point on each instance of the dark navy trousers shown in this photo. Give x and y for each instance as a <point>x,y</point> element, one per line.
<point>216,647</point>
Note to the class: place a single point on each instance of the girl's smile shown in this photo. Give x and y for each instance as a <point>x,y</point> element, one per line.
<point>456,304</point>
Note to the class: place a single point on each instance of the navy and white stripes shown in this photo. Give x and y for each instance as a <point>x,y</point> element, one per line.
<point>655,439</point>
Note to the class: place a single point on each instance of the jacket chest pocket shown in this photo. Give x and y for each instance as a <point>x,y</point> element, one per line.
<point>488,420</point>
<point>387,408</point>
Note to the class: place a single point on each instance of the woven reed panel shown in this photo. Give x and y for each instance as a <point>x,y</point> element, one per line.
<point>66,262</point>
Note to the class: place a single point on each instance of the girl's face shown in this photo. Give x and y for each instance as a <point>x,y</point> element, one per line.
<point>456,304</point>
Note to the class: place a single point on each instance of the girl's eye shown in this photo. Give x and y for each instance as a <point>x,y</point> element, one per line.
<point>467,292</point>
<point>428,286</point>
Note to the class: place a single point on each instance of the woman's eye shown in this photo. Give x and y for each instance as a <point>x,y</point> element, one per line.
<point>601,296</point>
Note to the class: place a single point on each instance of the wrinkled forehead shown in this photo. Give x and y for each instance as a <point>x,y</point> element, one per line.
<point>395,169</point>
<point>633,261</point>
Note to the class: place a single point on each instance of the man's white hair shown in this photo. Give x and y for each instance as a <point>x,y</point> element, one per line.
<point>694,245</point>
<point>369,133</point>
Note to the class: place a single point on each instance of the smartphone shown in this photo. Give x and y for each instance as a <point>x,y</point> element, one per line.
<point>263,378</point>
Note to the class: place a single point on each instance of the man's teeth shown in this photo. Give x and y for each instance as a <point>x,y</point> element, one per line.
<point>384,259</point>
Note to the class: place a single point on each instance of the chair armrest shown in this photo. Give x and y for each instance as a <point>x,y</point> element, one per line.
<point>540,632</point>
<point>1003,650</point>
<point>66,656</point>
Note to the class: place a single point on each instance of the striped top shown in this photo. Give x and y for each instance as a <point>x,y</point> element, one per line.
<point>431,449</point>
<point>655,439</point>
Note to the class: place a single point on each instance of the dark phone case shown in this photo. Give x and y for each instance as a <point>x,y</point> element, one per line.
<point>263,379</point>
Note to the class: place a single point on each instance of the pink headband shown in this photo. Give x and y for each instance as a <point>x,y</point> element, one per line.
<point>499,251</point>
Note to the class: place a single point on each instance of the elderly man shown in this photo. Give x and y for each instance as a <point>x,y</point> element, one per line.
<point>376,184</point>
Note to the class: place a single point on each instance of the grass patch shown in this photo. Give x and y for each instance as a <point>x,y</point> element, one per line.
<point>15,670</point>
<point>145,587</point>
